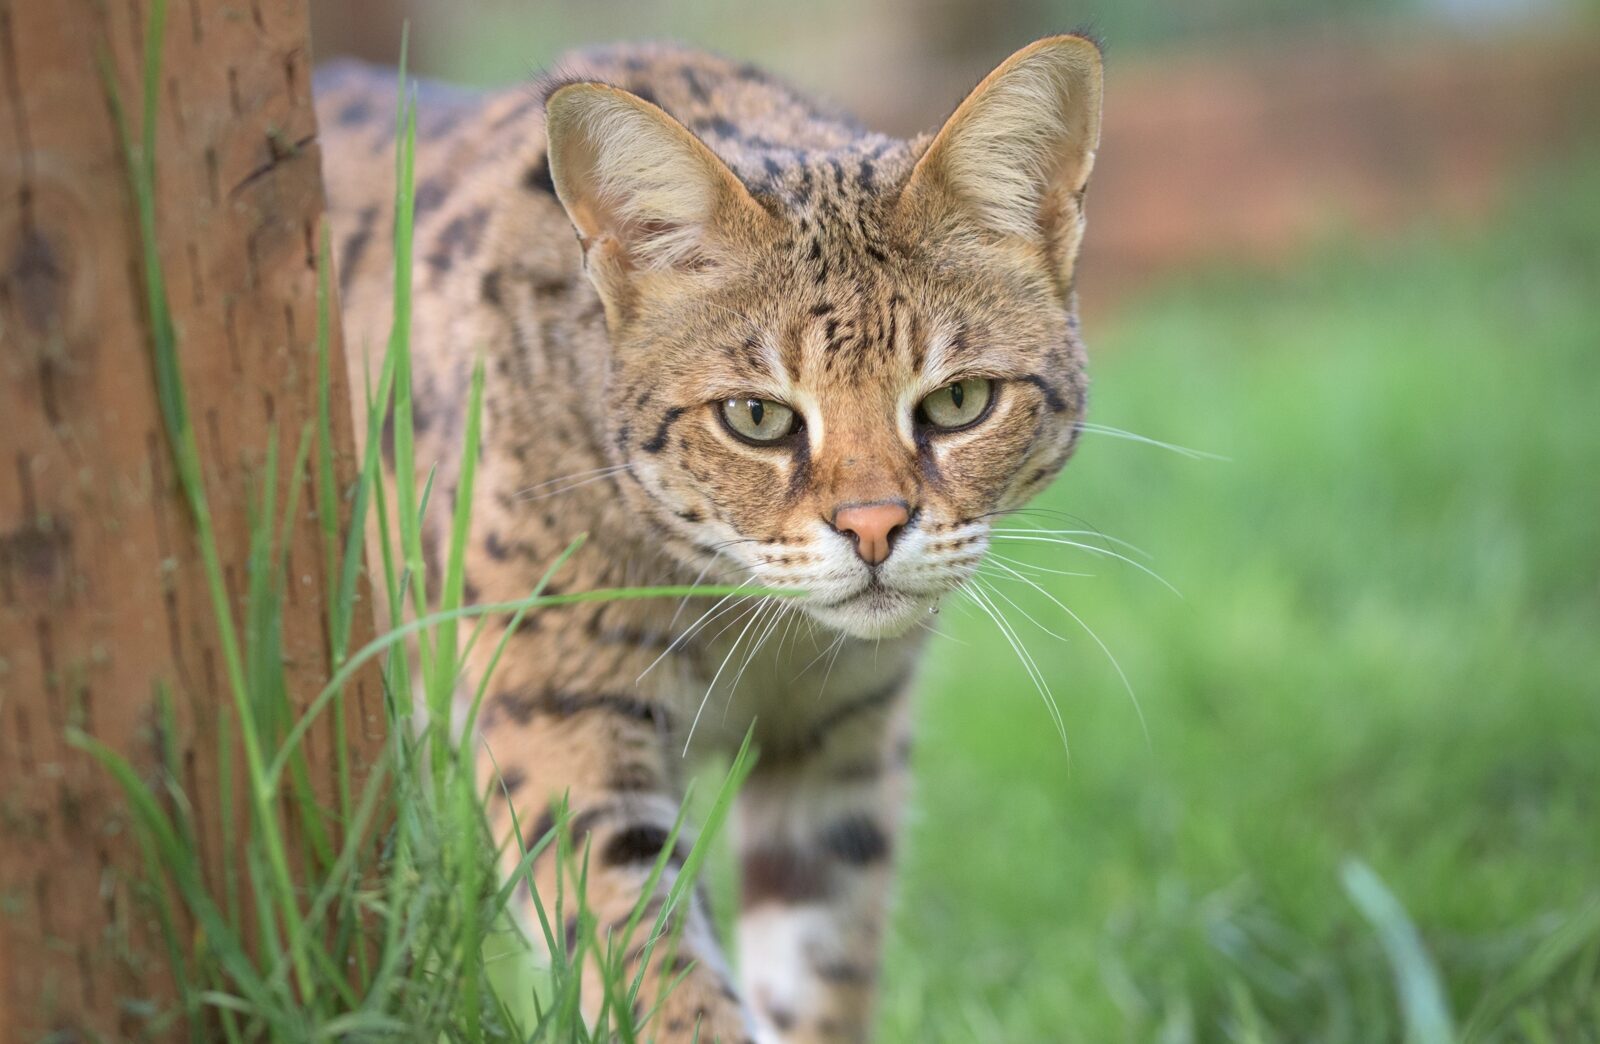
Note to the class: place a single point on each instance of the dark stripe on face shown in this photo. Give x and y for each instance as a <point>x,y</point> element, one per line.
<point>658,441</point>
<point>1052,396</point>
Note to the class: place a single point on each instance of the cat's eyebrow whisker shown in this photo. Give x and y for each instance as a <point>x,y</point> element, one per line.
<point>1182,451</point>
<point>1126,684</point>
<point>982,601</point>
<point>1036,537</point>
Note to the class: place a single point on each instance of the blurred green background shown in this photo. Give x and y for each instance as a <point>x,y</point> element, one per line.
<point>1355,250</point>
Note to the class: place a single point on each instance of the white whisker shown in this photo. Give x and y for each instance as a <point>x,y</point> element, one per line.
<point>1034,674</point>
<point>1126,684</point>
<point>1182,451</point>
<point>713,683</point>
<point>1033,536</point>
<point>692,628</point>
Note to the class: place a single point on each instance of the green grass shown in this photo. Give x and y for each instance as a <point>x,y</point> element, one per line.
<point>1388,651</point>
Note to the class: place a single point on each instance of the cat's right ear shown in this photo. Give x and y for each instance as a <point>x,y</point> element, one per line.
<point>651,203</point>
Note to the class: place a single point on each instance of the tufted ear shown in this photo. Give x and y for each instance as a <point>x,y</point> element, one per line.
<point>646,196</point>
<point>1014,158</point>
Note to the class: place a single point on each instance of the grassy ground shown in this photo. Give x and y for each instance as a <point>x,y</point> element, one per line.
<point>1389,650</point>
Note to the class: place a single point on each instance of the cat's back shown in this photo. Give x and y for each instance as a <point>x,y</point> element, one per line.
<point>479,152</point>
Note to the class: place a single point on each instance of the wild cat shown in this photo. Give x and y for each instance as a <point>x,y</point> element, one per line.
<point>781,351</point>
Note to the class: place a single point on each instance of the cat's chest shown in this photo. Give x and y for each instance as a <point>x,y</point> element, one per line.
<point>778,670</point>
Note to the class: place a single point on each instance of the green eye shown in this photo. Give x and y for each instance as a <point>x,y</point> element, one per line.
<point>958,405</point>
<point>758,420</point>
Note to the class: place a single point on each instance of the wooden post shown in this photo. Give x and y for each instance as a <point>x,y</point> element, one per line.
<point>102,597</point>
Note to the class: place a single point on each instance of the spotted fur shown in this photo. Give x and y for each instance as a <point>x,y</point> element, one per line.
<point>733,240</point>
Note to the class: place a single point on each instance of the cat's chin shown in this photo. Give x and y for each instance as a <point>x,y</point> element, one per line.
<point>874,613</point>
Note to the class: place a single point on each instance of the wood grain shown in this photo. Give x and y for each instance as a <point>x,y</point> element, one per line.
<point>102,597</point>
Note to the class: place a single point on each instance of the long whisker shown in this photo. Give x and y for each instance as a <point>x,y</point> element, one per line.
<point>831,661</point>
<point>825,651</point>
<point>1003,535</point>
<point>1182,451</point>
<point>561,479</point>
<point>781,610</point>
<point>601,477</point>
<point>1034,674</point>
<point>995,592</point>
<point>1118,541</point>
<point>705,618</point>
<point>713,683</point>
<point>1126,684</point>
<point>1020,564</point>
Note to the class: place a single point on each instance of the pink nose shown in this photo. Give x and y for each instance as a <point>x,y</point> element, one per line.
<point>872,526</point>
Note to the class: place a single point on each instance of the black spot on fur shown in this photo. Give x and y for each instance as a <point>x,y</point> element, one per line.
<point>459,236</point>
<point>537,177</point>
<point>355,245</point>
<point>489,288</point>
<point>632,777</point>
<point>639,843</point>
<point>697,90</point>
<point>782,875</point>
<point>855,840</point>
<point>511,780</point>
<point>497,550</point>
<point>541,828</point>
<point>357,110</point>
<point>718,125</point>
<point>430,195</point>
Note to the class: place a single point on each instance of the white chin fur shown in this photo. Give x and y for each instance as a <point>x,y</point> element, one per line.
<point>874,614</point>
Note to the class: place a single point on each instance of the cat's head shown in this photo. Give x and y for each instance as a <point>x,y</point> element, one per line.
<point>838,376</point>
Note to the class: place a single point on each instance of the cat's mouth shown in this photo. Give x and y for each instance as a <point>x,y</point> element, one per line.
<point>875,610</point>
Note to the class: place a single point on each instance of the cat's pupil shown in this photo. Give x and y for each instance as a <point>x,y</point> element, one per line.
<point>957,393</point>
<point>756,410</point>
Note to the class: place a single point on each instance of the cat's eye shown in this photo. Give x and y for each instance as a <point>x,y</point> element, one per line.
<point>760,421</point>
<point>958,404</point>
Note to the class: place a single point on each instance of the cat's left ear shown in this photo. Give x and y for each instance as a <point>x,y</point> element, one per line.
<point>1013,160</point>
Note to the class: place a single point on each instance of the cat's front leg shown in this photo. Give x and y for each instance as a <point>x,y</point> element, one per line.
<point>817,827</point>
<point>605,753</point>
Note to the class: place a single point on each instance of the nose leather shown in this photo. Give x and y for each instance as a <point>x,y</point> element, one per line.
<point>872,526</point>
